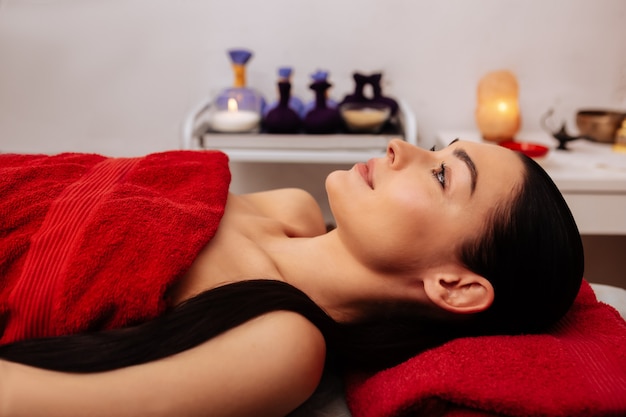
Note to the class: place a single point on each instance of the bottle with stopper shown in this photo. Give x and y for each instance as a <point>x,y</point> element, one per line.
<point>294,102</point>
<point>283,116</point>
<point>320,77</point>
<point>322,119</point>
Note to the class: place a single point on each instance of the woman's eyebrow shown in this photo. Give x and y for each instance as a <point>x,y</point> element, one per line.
<point>463,156</point>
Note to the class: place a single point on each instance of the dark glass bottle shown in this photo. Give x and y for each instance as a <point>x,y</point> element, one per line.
<point>322,119</point>
<point>282,118</point>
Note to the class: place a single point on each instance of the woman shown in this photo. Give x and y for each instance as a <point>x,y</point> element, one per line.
<point>472,239</point>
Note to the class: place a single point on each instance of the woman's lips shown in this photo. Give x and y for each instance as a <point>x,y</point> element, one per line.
<point>365,170</point>
<point>370,173</point>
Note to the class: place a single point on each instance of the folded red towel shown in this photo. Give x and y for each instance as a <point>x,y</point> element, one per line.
<point>576,369</point>
<point>89,242</point>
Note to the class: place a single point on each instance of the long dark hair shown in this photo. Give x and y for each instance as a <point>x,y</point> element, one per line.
<point>531,252</point>
<point>187,325</point>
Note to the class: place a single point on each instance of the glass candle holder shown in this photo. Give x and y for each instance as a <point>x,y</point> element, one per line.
<point>238,108</point>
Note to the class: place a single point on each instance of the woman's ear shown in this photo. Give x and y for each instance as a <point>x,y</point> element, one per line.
<point>459,290</point>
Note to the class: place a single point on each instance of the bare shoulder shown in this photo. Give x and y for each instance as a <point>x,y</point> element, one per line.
<point>295,207</point>
<point>295,343</point>
<point>284,355</point>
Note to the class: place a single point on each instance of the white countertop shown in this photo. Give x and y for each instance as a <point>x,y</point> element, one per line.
<point>586,167</point>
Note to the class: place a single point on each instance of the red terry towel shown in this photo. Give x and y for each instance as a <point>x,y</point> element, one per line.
<point>89,242</point>
<point>577,369</point>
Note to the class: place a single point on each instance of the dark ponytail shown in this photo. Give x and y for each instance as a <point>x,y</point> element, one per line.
<point>371,345</point>
<point>185,326</point>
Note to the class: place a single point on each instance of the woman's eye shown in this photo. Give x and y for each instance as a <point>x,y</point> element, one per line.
<point>440,175</point>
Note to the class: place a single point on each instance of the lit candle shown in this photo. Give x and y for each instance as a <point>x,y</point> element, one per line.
<point>500,119</point>
<point>497,111</point>
<point>235,120</point>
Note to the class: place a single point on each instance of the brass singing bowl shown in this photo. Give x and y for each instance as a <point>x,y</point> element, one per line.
<point>599,125</point>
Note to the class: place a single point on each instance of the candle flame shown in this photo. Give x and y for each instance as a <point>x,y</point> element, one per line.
<point>232,105</point>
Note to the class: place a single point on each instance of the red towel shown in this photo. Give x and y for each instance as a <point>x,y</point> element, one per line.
<point>89,242</point>
<point>577,369</point>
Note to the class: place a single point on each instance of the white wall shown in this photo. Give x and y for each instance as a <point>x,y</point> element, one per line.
<point>118,76</point>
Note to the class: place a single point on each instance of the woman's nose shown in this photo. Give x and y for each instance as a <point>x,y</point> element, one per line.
<point>401,152</point>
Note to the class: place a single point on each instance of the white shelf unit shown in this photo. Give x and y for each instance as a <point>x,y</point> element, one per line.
<point>300,148</point>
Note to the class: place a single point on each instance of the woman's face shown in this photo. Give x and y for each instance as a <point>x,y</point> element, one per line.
<point>414,207</point>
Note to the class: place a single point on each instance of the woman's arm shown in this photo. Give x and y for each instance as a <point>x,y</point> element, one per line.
<point>265,367</point>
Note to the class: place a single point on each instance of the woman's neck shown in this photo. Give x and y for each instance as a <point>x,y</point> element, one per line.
<point>260,238</point>
<point>339,283</point>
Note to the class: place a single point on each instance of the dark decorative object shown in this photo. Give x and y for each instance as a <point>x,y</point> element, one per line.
<point>322,119</point>
<point>374,80</point>
<point>295,103</point>
<point>319,77</point>
<point>282,118</point>
<point>561,135</point>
